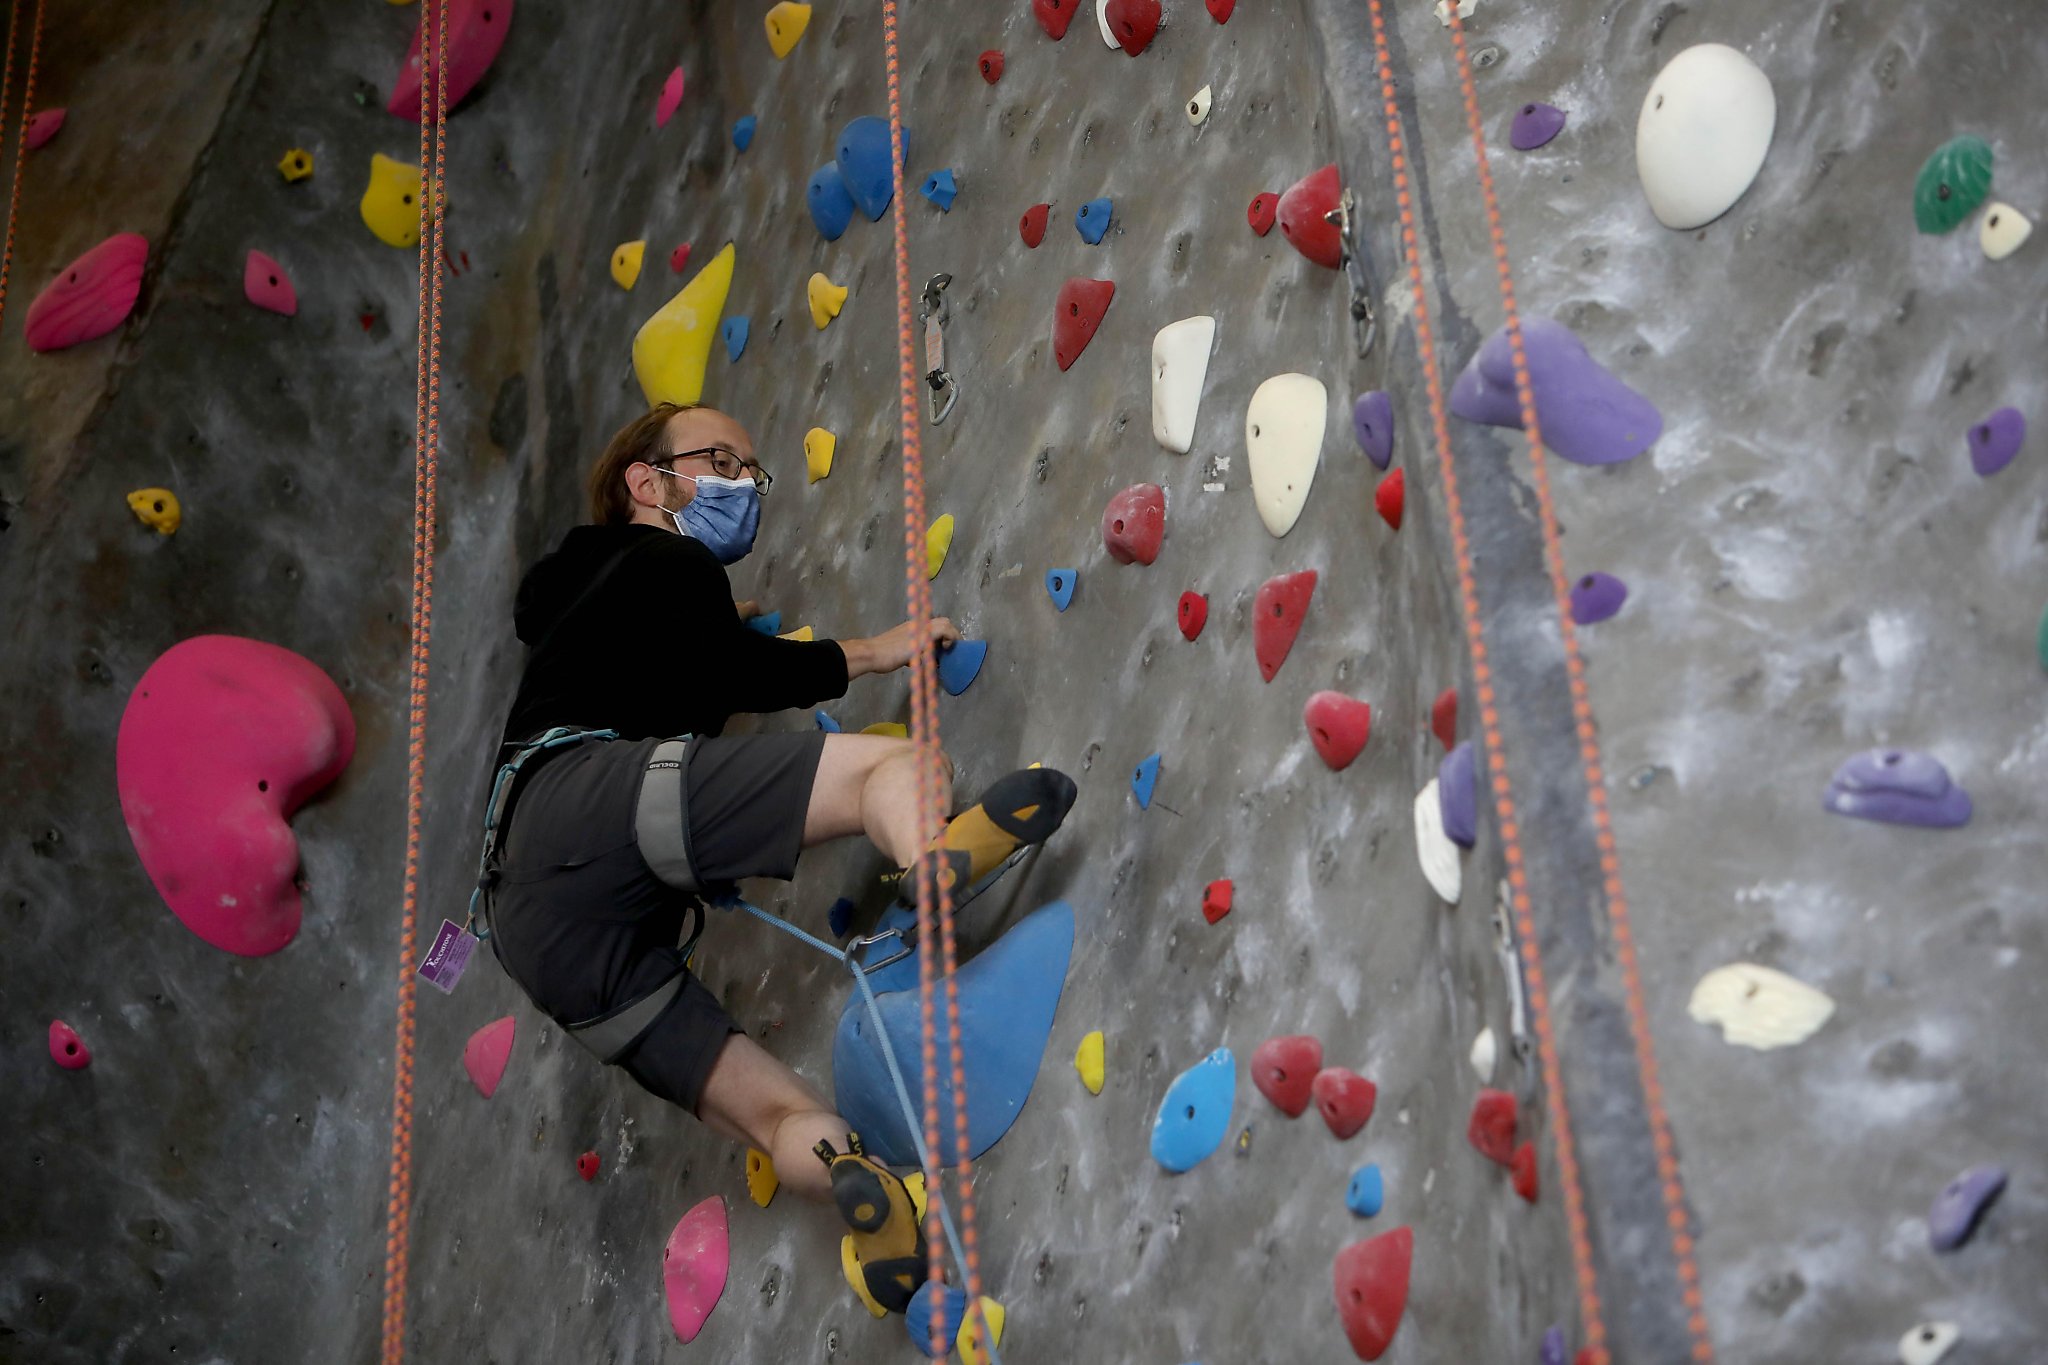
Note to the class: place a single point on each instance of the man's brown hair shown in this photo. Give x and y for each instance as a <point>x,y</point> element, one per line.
<point>645,438</point>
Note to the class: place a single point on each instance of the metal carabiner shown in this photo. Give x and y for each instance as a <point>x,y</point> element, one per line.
<point>869,940</point>
<point>1365,320</point>
<point>944,391</point>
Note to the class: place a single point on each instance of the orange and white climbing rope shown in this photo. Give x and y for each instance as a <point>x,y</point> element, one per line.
<point>28,97</point>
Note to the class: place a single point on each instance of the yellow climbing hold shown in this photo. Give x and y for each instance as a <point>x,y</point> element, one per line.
<point>937,541</point>
<point>849,1265</point>
<point>674,345</point>
<point>786,23</point>
<point>818,447</point>
<point>1088,1061</point>
<point>626,257</point>
<point>802,634</point>
<point>391,204</point>
<point>895,729</point>
<point>971,1351</point>
<point>296,164</point>
<point>827,299</point>
<point>761,1179</point>
<point>156,508</point>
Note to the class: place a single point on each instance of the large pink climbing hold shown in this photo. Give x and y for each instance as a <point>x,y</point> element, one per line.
<point>1302,221</point>
<point>1491,1130</point>
<point>475,32</point>
<point>1133,22</point>
<point>1338,726</point>
<point>267,286</point>
<point>671,98</point>
<point>222,739</point>
<point>486,1053</point>
<point>1285,1069</point>
<point>91,296</point>
<point>1134,524</point>
<point>1372,1290</point>
<point>42,125</point>
<point>1054,15</point>
<point>1277,614</point>
<point>694,1266</point>
<point>67,1049</point>
<point>1076,315</point>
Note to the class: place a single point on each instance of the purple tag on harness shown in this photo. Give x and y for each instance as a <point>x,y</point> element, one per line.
<point>443,964</point>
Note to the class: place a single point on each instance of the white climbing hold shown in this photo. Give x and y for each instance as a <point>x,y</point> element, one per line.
<point>1484,1053</point>
<point>1438,855</point>
<point>1198,107</point>
<point>1102,22</point>
<point>1180,362</point>
<point>1443,10</point>
<point>2004,229</point>
<point>1702,134</point>
<point>1928,1343</point>
<point>1283,437</point>
<point>1759,1007</point>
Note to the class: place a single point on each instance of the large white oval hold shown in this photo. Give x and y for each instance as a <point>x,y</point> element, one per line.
<point>1759,1007</point>
<point>1102,22</point>
<point>1283,439</point>
<point>1434,849</point>
<point>1180,362</point>
<point>1702,135</point>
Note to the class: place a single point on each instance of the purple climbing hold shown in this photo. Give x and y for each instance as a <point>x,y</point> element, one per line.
<point>1588,416</point>
<point>1457,794</point>
<point>1961,1202</point>
<point>1596,597</point>
<point>1535,124</point>
<point>1995,440</point>
<point>1372,422</point>
<point>1553,1351</point>
<point>1899,787</point>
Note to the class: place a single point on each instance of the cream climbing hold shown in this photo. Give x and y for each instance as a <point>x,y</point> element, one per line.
<point>1928,1343</point>
<point>937,542</point>
<point>1702,134</point>
<point>786,23</point>
<point>2004,229</point>
<point>1283,437</point>
<point>391,202</point>
<point>1088,1061</point>
<point>1180,364</point>
<point>1443,10</point>
<point>673,347</point>
<point>295,164</point>
<point>762,1182</point>
<point>1434,849</point>
<point>818,447</point>
<point>156,508</point>
<point>1102,23</point>
<point>1198,107</point>
<point>1759,1007</point>
<point>626,258</point>
<point>1485,1052</point>
<point>826,299</point>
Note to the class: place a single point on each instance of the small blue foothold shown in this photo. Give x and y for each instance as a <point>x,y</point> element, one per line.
<point>960,665</point>
<point>734,330</point>
<point>918,1317</point>
<point>1060,583</point>
<point>841,913</point>
<point>940,187</point>
<point>831,206</point>
<point>1195,1114</point>
<point>829,725</point>
<point>1092,220</point>
<point>743,132</point>
<point>1366,1193</point>
<point>1143,779</point>
<point>767,623</point>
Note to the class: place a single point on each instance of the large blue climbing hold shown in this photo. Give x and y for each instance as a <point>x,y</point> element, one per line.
<point>1091,220</point>
<point>1009,993</point>
<point>1367,1192</point>
<point>1457,791</point>
<point>863,161</point>
<point>734,330</point>
<point>831,205</point>
<point>743,132</point>
<point>827,724</point>
<point>918,1317</point>
<point>1060,583</point>
<point>767,623</point>
<point>1143,779</point>
<point>940,188</point>
<point>1195,1114</point>
<point>960,665</point>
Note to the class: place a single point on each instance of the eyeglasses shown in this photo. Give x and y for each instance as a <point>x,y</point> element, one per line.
<point>726,465</point>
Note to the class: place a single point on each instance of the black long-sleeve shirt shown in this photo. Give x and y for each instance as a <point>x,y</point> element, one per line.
<point>657,649</point>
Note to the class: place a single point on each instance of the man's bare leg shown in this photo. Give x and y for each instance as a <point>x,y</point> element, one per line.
<point>753,1098</point>
<point>867,784</point>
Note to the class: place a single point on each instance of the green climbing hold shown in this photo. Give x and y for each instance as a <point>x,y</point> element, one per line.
<point>1952,184</point>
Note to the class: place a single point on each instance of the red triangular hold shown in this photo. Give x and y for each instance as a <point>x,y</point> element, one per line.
<point>1443,718</point>
<point>1220,10</point>
<point>1216,898</point>
<point>1390,497</point>
<point>1338,726</point>
<point>1134,523</point>
<point>1276,618</point>
<point>1262,212</point>
<point>1133,22</point>
<point>1194,613</point>
<point>1076,316</point>
<point>1372,1289</point>
<point>1345,1099</point>
<point>1054,16</point>
<point>1523,1169</point>
<point>1285,1069</point>
<point>587,1165</point>
<point>1031,227</point>
<point>1491,1130</point>
<point>1301,217</point>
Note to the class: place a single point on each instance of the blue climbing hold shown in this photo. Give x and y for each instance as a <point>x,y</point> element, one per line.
<point>917,1318</point>
<point>1457,790</point>
<point>828,725</point>
<point>1009,993</point>
<point>940,188</point>
<point>1367,1192</point>
<point>1060,583</point>
<point>1091,220</point>
<point>734,330</point>
<point>960,665</point>
<point>1143,779</point>
<point>1195,1114</point>
<point>743,132</point>
<point>767,623</point>
<point>840,917</point>
<point>831,205</point>
<point>863,161</point>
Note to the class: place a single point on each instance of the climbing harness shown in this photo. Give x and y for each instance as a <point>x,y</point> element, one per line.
<point>944,392</point>
<point>28,96</point>
<point>1365,318</point>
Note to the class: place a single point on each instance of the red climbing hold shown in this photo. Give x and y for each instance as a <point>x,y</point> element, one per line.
<point>1389,498</point>
<point>475,31</point>
<point>1261,213</point>
<point>1076,316</point>
<point>1301,217</point>
<point>91,296</point>
<point>1054,16</point>
<point>1216,899</point>
<point>1338,726</point>
<point>992,65</point>
<point>586,1166</point>
<point>267,286</point>
<point>1285,1070</point>
<point>679,258</point>
<point>1492,1129</point>
<point>1524,1170</point>
<point>1194,613</point>
<point>485,1054</point>
<point>1220,10</point>
<point>1443,718</point>
<point>1344,1099</point>
<point>1276,618</point>
<point>67,1049</point>
<point>1134,22</point>
<point>1031,227</point>
<point>1372,1290</point>
<point>1134,523</point>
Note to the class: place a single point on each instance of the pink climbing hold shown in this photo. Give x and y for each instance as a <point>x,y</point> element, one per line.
<point>1194,613</point>
<point>587,1166</point>
<point>67,1049</point>
<point>679,258</point>
<point>222,739</point>
<point>1054,15</point>
<point>42,125</point>
<point>1133,22</point>
<point>1221,10</point>
<point>1390,498</point>
<point>1277,614</point>
<point>694,1265</point>
<point>1301,217</point>
<point>1285,1070</point>
<point>1265,208</point>
<point>1134,524</point>
<point>1492,1128</point>
<point>1031,227</point>
<point>267,286</point>
<point>1372,1290</point>
<point>1075,316</point>
<point>1216,899</point>
<point>91,296</point>
<point>486,1054</point>
<point>475,32</point>
<point>670,100</point>
<point>1345,1099</point>
<point>1523,1169</point>
<point>1338,726</point>
<point>1443,717</point>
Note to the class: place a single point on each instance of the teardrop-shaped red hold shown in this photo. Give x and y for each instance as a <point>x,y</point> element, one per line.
<point>1220,10</point>
<point>1492,1128</point>
<point>1216,898</point>
<point>1054,15</point>
<point>67,1049</point>
<point>1276,618</point>
<point>679,258</point>
<point>1443,718</point>
<point>1301,217</point>
<point>1262,212</point>
<point>1524,1170</point>
<point>1076,315</point>
<point>1285,1069</point>
<point>1134,22</point>
<point>1372,1290</point>
<point>1134,523</point>
<point>1194,613</point>
<point>267,286</point>
<point>586,1165</point>
<point>1344,1098</point>
<point>992,65</point>
<point>1338,726</point>
<point>1031,227</point>
<point>1390,497</point>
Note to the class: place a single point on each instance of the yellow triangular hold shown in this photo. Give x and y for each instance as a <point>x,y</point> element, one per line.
<point>802,634</point>
<point>156,508</point>
<point>391,204</point>
<point>818,447</point>
<point>296,164</point>
<point>1088,1061</point>
<point>762,1182</point>
<point>849,1265</point>
<point>826,298</point>
<point>971,1351</point>
<point>937,541</point>
<point>673,346</point>
<point>895,729</point>
<point>786,23</point>
<point>626,257</point>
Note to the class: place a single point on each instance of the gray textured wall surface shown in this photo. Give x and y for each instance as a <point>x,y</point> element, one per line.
<point>1814,570</point>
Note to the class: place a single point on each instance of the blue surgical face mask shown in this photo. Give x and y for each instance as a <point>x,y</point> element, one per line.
<point>725,514</point>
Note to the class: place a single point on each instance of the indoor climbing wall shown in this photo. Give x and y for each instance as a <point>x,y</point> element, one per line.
<point>1761,1102</point>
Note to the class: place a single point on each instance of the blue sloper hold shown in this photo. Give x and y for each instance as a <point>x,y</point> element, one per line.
<point>840,917</point>
<point>1009,993</point>
<point>1091,220</point>
<point>1900,787</point>
<point>863,161</point>
<point>767,623</point>
<point>734,330</point>
<point>743,132</point>
<point>1366,1193</point>
<point>1457,791</point>
<point>1060,583</point>
<point>917,1318</point>
<point>1195,1114</point>
<point>940,188</point>
<point>831,205</point>
<point>827,724</point>
<point>1143,779</point>
<point>960,665</point>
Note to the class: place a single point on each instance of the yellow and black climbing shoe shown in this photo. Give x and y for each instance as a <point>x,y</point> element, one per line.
<point>888,1241</point>
<point>1020,809</point>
